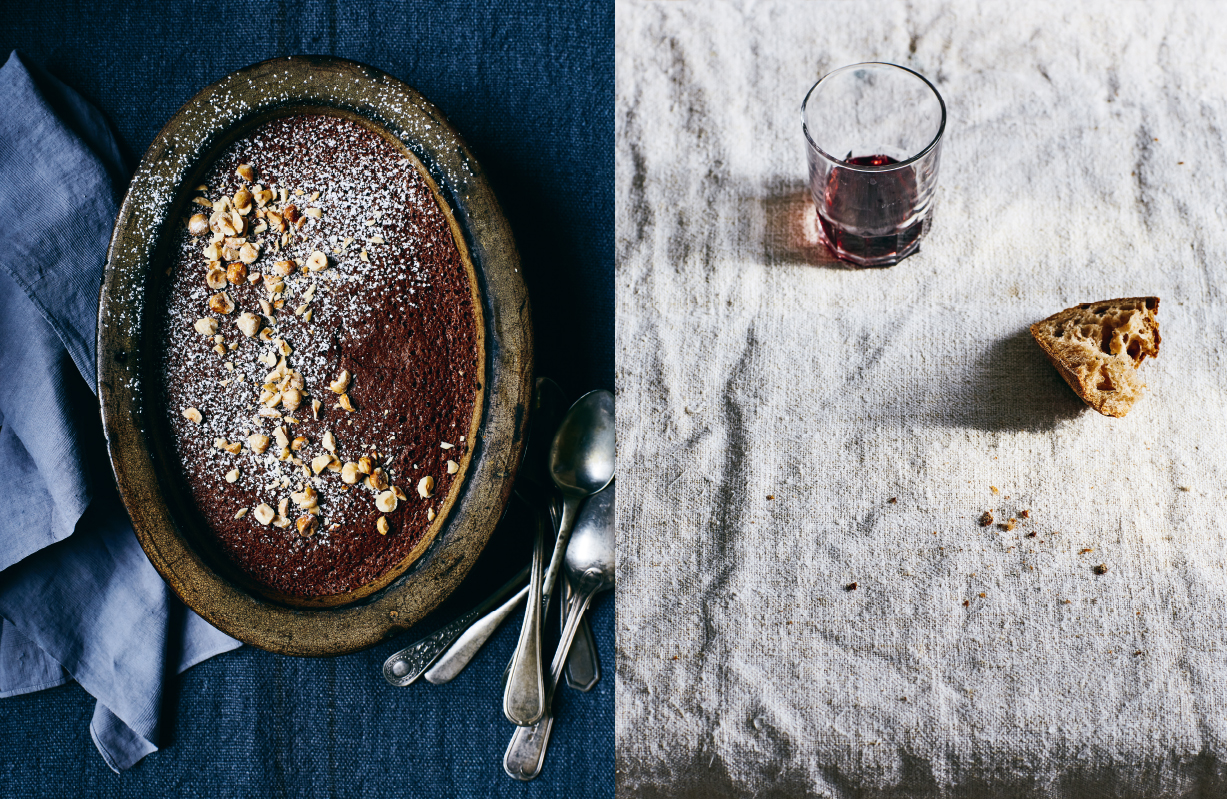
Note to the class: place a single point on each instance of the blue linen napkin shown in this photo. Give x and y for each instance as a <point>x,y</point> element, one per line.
<point>78,597</point>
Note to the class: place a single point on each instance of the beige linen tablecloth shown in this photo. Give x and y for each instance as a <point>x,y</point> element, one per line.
<point>789,426</point>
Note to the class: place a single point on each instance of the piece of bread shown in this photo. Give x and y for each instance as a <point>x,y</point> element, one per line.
<point>1098,346</point>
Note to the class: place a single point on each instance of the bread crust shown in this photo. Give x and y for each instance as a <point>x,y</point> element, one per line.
<point>1097,348</point>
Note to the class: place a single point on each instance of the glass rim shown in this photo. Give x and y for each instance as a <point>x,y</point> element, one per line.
<point>941,129</point>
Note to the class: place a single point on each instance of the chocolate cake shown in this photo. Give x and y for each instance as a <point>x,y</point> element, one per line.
<point>321,356</point>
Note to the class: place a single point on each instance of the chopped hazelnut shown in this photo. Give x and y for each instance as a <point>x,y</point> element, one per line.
<point>221,303</point>
<point>386,502</point>
<point>198,224</point>
<point>307,497</point>
<point>263,513</point>
<point>215,278</point>
<point>291,398</point>
<point>345,403</point>
<point>248,323</point>
<point>248,253</point>
<point>366,464</point>
<point>426,487</point>
<point>317,261</point>
<point>307,525</point>
<point>206,326</point>
<point>378,480</point>
<point>382,525</point>
<point>341,384</point>
<point>320,462</point>
<point>258,442</point>
<point>246,172</point>
<point>329,442</point>
<point>349,473</point>
<point>232,475</point>
<point>193,415</point>
<point>452,467</point>
<point>298,443</point>
<point>236,273</point>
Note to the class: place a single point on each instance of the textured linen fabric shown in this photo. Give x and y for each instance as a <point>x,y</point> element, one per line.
<point>530,87</point>
<point>802,426</point>
<point>86,603</point>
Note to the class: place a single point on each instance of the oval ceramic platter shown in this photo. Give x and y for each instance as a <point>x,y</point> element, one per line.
<point>132,315</point>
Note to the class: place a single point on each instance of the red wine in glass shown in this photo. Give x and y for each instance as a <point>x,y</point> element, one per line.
<point>871,215</point>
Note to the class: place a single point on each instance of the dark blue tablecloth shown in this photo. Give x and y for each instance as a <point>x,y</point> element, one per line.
<point>530,86</point>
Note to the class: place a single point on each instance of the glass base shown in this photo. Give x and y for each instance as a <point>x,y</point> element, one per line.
<point>872,250</point>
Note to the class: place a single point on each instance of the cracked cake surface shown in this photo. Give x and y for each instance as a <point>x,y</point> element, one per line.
<point>320,355</point>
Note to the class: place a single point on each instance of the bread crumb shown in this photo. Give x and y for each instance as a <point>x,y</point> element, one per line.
<point>986,518</point>
<point>893,500</point>
<point>771,496</point>
<point>1025,514</point>
<point>994,489</point>
<point>1085,550</point>
<point>850,587</point>
<point>966,602</point>
<point>982,595</point>
<point>1101,569</point>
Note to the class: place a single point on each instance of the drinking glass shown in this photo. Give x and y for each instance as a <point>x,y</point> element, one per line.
<point>873,136</point>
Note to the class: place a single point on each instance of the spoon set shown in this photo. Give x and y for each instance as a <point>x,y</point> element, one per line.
<point>568,463</point>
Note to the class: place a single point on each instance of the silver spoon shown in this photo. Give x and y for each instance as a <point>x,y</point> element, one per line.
<point>583,667</point>
<point>590,565</point>
<point>550,405</point>
<point>525,671</point>
<point>581,463</point>
<point>467,645</point>
<point>524,686</point>
<point>405,666</point>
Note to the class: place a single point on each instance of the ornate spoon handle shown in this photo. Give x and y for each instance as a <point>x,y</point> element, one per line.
<point>526,751</point>
<point>524,694</point>
<point>405,666</point>
<point>466,647</point>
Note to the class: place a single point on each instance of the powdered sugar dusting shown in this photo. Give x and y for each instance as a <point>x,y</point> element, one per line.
<point>393,308</point>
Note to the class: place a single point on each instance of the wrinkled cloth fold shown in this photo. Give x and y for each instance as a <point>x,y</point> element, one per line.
<point>78,597</point>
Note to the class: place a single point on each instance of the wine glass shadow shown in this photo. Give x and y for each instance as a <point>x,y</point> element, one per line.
<point>1011,386</point>
<point>790,227</point>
